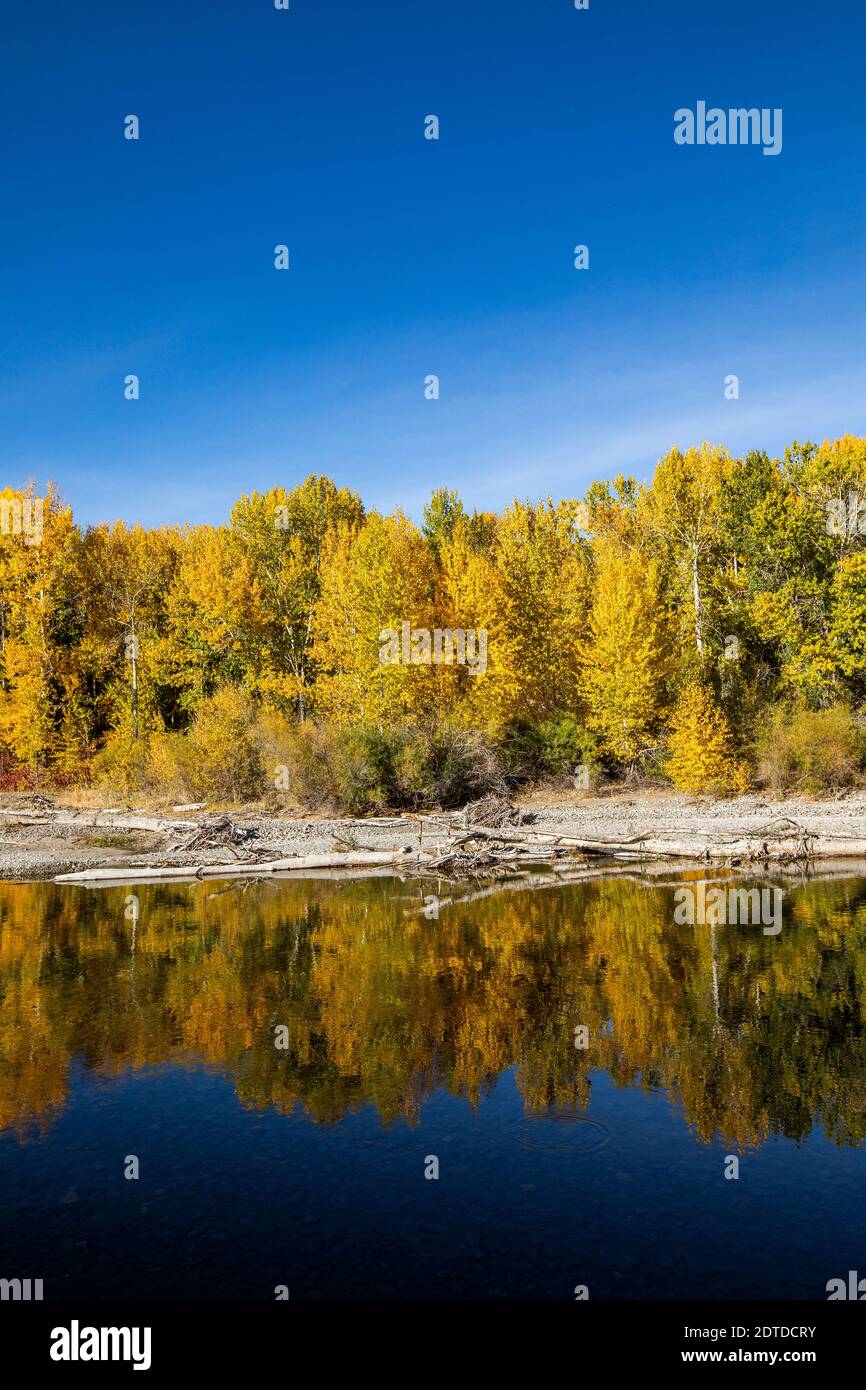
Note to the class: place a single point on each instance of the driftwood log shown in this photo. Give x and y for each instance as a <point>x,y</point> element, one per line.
<point>352,859</point>
<point>102,819</point>
<point>784,841</point>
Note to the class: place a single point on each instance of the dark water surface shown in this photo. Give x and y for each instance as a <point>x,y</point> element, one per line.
<point>409,1037</point>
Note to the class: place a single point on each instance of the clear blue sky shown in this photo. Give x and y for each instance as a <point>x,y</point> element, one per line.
<point>412,257</point>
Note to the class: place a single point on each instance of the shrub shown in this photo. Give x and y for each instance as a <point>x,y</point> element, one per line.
<point>226,761</point>
<point>228,755</point>
<point>298,759</point>
<point>171,767</point>
<point>702,757</point>
<point>218,760</point>
<point>810,750</point>
<point>552,747</point>
<point>120,767</point>
<point>363,770</point>
<point>14,776</point>
<point>444,766</point>
<point>373,768</point>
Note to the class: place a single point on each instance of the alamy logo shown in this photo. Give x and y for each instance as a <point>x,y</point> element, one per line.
<point>737,126</point>
<point>847,519</point>
<point>854,1289</point>
<point>75,1343</point>
<point>21,1290</point>
<point>22,516</point>
<point>720,908</point>
<point>417,646</point>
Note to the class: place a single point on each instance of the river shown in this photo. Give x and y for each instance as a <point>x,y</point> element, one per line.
<point>337,1089</point>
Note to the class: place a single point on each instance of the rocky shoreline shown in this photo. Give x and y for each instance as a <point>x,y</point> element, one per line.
<point>42,840</point>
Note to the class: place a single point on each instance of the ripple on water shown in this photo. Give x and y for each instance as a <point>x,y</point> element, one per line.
<point>562,1132</point>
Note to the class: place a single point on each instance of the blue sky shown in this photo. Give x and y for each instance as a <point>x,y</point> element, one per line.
<point>412,257</point>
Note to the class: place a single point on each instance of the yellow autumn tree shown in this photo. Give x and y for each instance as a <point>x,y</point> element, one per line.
<point>282,536</point>
<point>539,602</point>
<point>214,617</point>
<point>701,745</point>
<point>682,512</point>
<point>626,660</point>
<point>466,600</point>
<point>37,552</point>
<point>129,573</point>
<point>376,584</point>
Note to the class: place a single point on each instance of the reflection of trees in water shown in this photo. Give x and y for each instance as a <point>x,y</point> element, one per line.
<point>751,1035</point>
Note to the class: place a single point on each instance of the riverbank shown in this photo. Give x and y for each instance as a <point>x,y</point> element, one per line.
<point>40,839</point>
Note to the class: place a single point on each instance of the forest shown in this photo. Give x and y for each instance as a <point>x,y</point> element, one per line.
<point>705,630</point>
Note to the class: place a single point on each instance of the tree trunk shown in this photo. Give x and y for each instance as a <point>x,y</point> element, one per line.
<point>133,657</point>
<point>696,590</point>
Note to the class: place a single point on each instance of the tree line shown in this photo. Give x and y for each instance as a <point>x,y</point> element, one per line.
<point>687,626</point>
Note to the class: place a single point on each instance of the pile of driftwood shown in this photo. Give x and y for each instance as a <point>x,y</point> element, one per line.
<point>782,841</point>
<point>482,850</point>
<point>220,832</point>
<point>491,811</point>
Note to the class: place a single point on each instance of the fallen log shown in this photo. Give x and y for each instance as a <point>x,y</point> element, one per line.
<point>99,819</point>
<point>762,845</point>
<point>352,859</point>
<point>532,838</point>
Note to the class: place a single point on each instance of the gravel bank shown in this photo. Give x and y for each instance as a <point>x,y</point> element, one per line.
<point>44,850</point>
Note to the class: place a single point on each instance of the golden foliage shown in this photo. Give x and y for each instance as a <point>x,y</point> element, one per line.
<point>627,658</point>
<point>701,746</point>
<point>586,615</point>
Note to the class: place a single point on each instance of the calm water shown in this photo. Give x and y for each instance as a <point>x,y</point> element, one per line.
<point>410,1037</point>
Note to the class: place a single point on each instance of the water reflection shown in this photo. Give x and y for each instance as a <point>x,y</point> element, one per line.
<point>751,1035</point>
